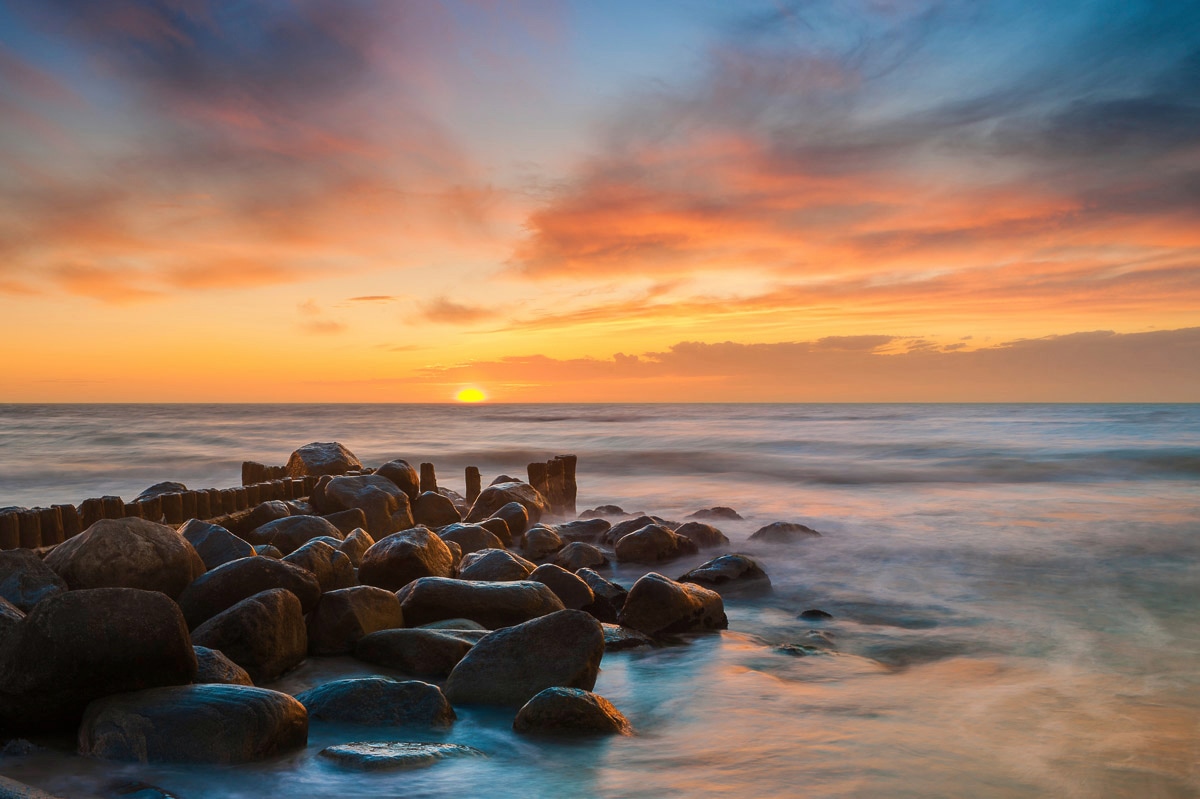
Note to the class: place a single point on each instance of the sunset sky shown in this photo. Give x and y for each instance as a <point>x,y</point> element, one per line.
<point>833,200</point>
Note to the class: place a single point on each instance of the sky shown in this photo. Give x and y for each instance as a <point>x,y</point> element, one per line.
<point>677,201</point>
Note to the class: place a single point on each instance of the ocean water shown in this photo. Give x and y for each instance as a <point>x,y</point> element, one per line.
<point>1015,593</point>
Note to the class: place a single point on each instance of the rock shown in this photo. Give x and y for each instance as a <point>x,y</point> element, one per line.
<point>25,580</point>
<point>293,532</point>
<point>456,553</point>
<point>127,553</point>
<point>266,512</point>
<point>540,541</point>
<point>263,634</point>
<point>729,571</point>
<point>81,645</point>
<point>578,555</point>
<point>343,617</point>
<point>11,789</point>
<point>376,700</point>
<point>498,528</point>
<point>504,478</point>
<point>138,790</point>
<point>434,510</point>
<point>617,638</point>
<point>418,651</point>
<point>494,565</point>
<point>214,544</point>
<point>403,475</point>
<point>783,533</point>
<point>491,604</point>
<point>395,561</point>
<point>470,537</point>
<point>588,531</point>
<point>330,566</point>
<point>10,618</point>
<point>385,505</point>
<point>603,589</point>
<point>622,529</point>
<point>456,499</point>
<point>571,590</point>
<point>347,520</point>
<point>320,458</point>
<point>570,710</point>
<point>356,545</point>
<point>720,512</point>
<point>376,756</point>
<point>705,536</point>
<point>268,551</point>
<point>495,497</point>
<point>211,724</point>
<point>654,543</point>
<point>510,666</point>
<point>815,614</point>
<point>300,507</point>
<point>457,625</point>
<point>217,669</point>
<point>225,586</point>
<point>514,515</point>
<point>158,489</point>
<point>19,747</point>
<point>602,511</point>
<point>658,605</point>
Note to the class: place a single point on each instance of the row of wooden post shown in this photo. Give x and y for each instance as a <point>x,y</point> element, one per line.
<point>555,479</point>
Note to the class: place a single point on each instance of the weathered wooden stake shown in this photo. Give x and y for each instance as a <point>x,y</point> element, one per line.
<point>114,507</point>
<point>428,478</point>
<point>51,523</point>
<point>70,521</point>
<point>172,508</point>
<point>91,511</point>
<point>570,488</point>
<point>474,484</point>
<point>29,521</point>
<point>10,530</point>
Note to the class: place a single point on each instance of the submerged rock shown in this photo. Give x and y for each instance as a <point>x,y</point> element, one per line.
<point>602,511</point>
<point>322,457</point>
<point>11,789</point>
<point>578,555</point>
<point>703,535</point>
<point>658,605</point>
<point>729,571</point>
<point>653,543</point>
<point>815,614</point>
<point>127,553</point>
<point>264,634</point>
<point>570,710</point>
<point>376,700</point>
<point>491,604</point>
<point>398,559</point>
<point>373,756</point>
<point>783,533</point>
<point>617,638</point>
<point>25,580</point>
<point>719,512</point>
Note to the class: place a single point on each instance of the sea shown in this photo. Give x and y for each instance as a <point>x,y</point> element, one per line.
<point>1014,592</point>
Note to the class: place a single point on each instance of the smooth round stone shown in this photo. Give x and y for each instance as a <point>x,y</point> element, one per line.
<point>372,756</point>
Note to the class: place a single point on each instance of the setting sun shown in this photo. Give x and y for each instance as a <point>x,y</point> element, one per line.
<point>471,394</point>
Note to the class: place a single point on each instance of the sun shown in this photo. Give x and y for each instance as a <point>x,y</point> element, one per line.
<point>470,394</point>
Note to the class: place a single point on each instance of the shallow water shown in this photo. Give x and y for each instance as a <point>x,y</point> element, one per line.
<point>1014,591</point>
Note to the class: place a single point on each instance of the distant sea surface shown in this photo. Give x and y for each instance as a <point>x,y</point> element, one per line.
<point>1015,593</point>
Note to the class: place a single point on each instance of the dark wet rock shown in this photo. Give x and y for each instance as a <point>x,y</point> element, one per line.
<point>456,499</point>
<point>783,533</point>
<point>540,541</point>
<point>578,555</point>
<point>569,588</point>
<point>494,565</point>
<point>347,520</point>
<point>25,580</point>
<point>609,597</point>
<point>225,586</point>
<point>127,553</point>
<point>266,512</point>
<point>516,517</point>
<point>452,624</point>
<point>343,617</point>
<point>381,755</point>
<point>11,789</point>
<point>801,650</point>
<point>617,638</point>
<point>264,634</point>
<point>419,651</point>
<point>510,666</point>
<point>588,531</point>
<point>212,724</point>
<point>658,605</point>
<point>570,710</point>
<point>720,513</point>
<point>729,571</point>
<point>319,458</point>
<point>499,528</point>
<point>293,532</point>
<point>330,566</point>
<point>601,512</point>
<point>652,544</point>
<point>434,510</point>
<point>395,561</point>
<point>376,700</point>
<point>357,542</point>
<point>504,478</point>
<point>81,645</point>
<point>456,554</point>
<point>300,507</point>
<point>268,551</point>
<point>495,497</point>
<point>470,537</point>
<point>214,544</point>
<point>159,489</point>
<point>403,475</point>
<point>622,529</point>
<point>18,747</point>
<point>815,614</point>
<point>385,505</point>
<point>491,604</point>
<point>703,535</point>
<point>10,618</point>
<point>137,790</point>
<point>215,668</point>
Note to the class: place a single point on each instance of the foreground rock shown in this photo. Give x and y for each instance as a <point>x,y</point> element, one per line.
<point>395,561</point>
<point>652,544</point>
<point>515,517</point>
<point>405,477</point>
<point>510,666</point>
<point>729,571</point>
<point>494,565</point>
<point>217,669</point>
<point>25,580</point>
<point>540,541</point>
<point>578,555</point>
<point>292,532</point>
<point>702,535</point>
<point>330,566</point>
<point>379,755</point>
<point>570,710</point>
<point>213,724</point>
<point>493,605</point>
<point>471,537</point>
<point>264,634</point>
<point>496,496</point>
<point>127,553</point>
<point>215,545</point>
<point>434,510</point>
<point>621,529</point>
<point>345,616</point>
<point>357,542</point>
<point>658,605</point>
<point>784,533</point>
<point>225,586</point>
<point>81,645</point>
<point>609,597</point>
<point>420,652</point>
<point>570,589</point>
<point>375,700</point>
<point>10,619</point>
<point>320,458</point>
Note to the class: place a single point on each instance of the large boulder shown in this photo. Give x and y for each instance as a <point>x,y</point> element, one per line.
<point>343,617</point>
<point>127,553</point>
<point>560,710</point>
<point>578,555</point>
<point>602,588</point>
<point>378,701</point>
<point>215,668</point>
<point>515,516</point>
<point>418,651</point>
<point>588,531</point>
<point>494,565</point>
<point>621,529</point>
<point>215,545</point>
<point>10,619</point>
<point>540,541</point>
<point>265,512</point>
<point>784,533</point>
<point>291,533</point>
<point>347,520</point>
<point>491,604</point>
<point>402,473</point>
<point>572,590</point>
<point>320,458</point>
<point>471,537</point>
<point>434,510</point>
<point>658,605</point>
<point>25,580</point>
<point>357,542</point>
<point>705,536</point>
<point>330,566</point>
<point>160,489</point>
<point>398,559</point>
<point>386,507</point>
<point>494,497</point>
<point>499,528</point>
<point>654,543</point>
<point>510,666</point>
<point>225,586</point>
<point>263,634</point>
<point>211,724</point>
<point>81,645</point>
<point>729,572</point>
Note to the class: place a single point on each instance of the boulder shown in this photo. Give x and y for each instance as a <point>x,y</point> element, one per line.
<point>588,531</point>
<point>127,553</point>
<point>380,755</point>
<point>357,542</point>
<point>559,710</point>
<point>217,669</point>
<point>347,520</point>
<point>378,701</point>
<point>705,536</point>
<point>293,532</point>
<point>343,617</point>
<point>658,605</point>
<point>225,586</point>
<point>540,541</point>
<point>578,555</point>
<point>403,475</point>
<point>81,645</point>
<point>621,529</point>
<point>320,458</point>
<point>25,580</point>
<point>491,604</point>
<point>457,625</point>
<point>159,489</point>
<point>495,497</point>
<point>719,512</point>
<point>618,638</point>
<point>385,505</point>
<point>602,511</point>
<point>499,528</point>
<point>603,589</point>
<point>515,516</point>
<point>456,499</point>
<point>10,618</point>
<point>654,543</point>
<point>330,566</point>
<point>456,553</point>
<point>263,634</point>
<point>494,565</point>
<point>418,651</point>
<point>783,533</point>
<point>509,667</point>
<point>571,590</point>
<point>266,512</point>
<point>729,571</point>
<point>214,544</point>
<point>434,510</point>
<point>211,724</point>
<point>395,561</point>
<point>268,551</point>
<point>470,537</point>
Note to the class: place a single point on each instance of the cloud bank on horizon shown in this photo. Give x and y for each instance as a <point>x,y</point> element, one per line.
<point>904,199</point>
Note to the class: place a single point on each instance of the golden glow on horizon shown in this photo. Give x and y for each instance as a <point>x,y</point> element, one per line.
<point>471,394</point>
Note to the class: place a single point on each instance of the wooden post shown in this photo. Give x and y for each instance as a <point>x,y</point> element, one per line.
<point>570,488</point>
<point>239,495</point>
<point>474,484</point>
<point>554,482</point>
<point>52,528</point>
<point>172,508</point>
<point>228,501</point>
<point>537,477</point>
<point>189,505</point>
<point>428,478</point>
<point>70,521</point>
<point>203,505</point>
<point>91,511</point>
<point>151,509</point>
<point>254,494</point>
<point>10,530</point>
<point>134,510</point>
<point>114,507</point>
<point>29,522</point>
